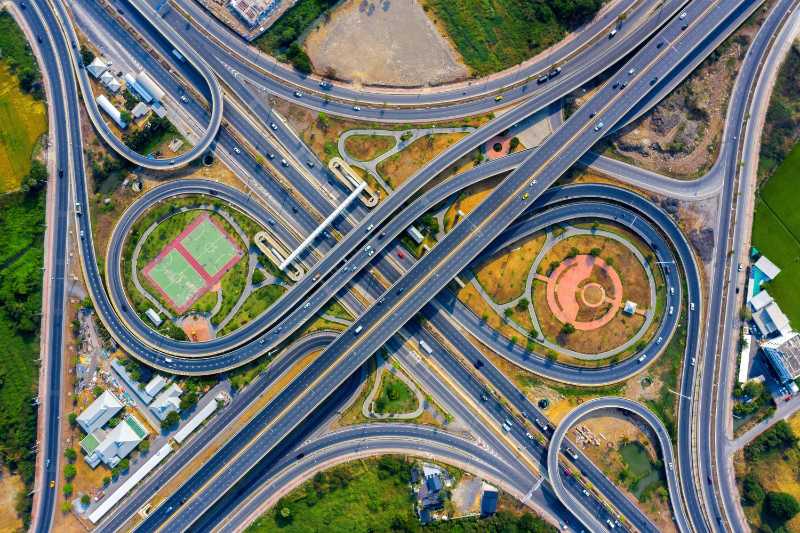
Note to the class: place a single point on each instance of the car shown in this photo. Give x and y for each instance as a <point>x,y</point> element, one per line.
<point>400,291</point>
<point>528,434</point>
<point>369,228</point>
<point>631,71</point>
<point>370,253</point>
<point>60,172</point>
<point>273,126</point>
<point>307,305</point>
<point>237,150</point>
<point>507,428</point>
<point>542,79</point>
<point>693,361</point>
<point>39,37</point>
<point>682,15</point>
<point>691,306</point>
<point>739,268</point>
<point>47,463</point>
<point>525,196</point>
<point>612,34</point>
<point>310,163</point>
<point>271,155</point>
<point>672,290</point>
<point>598,126</point>
<point>401,255</point>
<point>555,72</point>
<point>658,340</point>
<point>478,364</point>
<point>642,358</point>
<point>532,183</point>
<point>284,162</point>
<point>83,235</point>
<point>610,524</point>
<point>592,114</point>
<point>325,84</point>
<point>484,397</point>
<point>509,422</point>
<point>586,493</point>
<point>298,94</point>
<point>382,235</point>
<point>22,5</point>
<point>52,483</point>
<point>684,26</point>
<point>623,84</point>
<point>356,108</point>
<point>498,98</point>
<point>300,456</point>
<point>616,84</point>
<point>660,44</point>
<point>184,99</point>
<point>654,80</point>
<point>671,309</point>
<point>271,221</point>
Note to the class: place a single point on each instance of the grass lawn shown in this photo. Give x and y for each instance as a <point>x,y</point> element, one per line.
<point>492,35</point>
<point>21,258</point>
<point>395,397</point>
<point>643,474</point>
<point>368,147</point>
<point>23,120</point>
<point>399,167</point>
<point>255,304</point>
<point>776,233</point>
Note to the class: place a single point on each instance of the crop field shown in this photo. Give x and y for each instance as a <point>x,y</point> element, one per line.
<point>776,233</point>
<point>23,120</point>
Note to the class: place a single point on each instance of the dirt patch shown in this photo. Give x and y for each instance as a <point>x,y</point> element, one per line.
<point>368,147</point>
<point>197,328</point>
<point>468,200</point>
<point>503,275</point>
<point>383,42</point>
<point>10,486</point>
<point>399,167</point>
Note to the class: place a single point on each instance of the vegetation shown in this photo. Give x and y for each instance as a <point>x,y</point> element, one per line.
<point>750,398</point>
<point>395,396</point>
<point>284,38</point>
<point>372,495</point>
<point>782,127</point>
<point>495,34</point>
<point>18,57</point>
<point>21,259</point>
<point>776,439</point>
<point>146,139</point>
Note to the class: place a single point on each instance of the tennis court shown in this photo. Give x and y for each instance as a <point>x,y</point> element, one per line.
<point>176,278</point>
<point>209,246</point>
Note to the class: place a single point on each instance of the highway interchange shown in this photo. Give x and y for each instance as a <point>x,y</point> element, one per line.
<point>522,203</point>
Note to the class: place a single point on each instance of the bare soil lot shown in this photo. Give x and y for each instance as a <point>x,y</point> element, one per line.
<point>383,42</point>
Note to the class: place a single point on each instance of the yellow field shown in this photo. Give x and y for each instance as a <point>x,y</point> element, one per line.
<point>23,120</point>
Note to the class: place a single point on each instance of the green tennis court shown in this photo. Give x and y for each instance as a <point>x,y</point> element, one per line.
<point>176,278</point>
<point>209,246</point>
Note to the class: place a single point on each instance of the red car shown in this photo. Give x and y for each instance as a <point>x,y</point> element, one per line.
<point>401,255</point>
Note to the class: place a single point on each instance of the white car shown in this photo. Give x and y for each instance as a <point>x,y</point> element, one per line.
<point>237,150</point>
<point>682,15</point>
<point>632,71</point>
<point>599,126</point>
<point>273,126</point>
<point>356,108</point>
<point>298,94</point>
<point>691,306</point>
<point>184,99</point>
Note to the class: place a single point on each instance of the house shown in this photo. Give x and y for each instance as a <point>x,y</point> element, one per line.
<point>99,412</point>
<point>134,87</point>
<point>155,385</point>
<point>767,267</point>
<point>110,81</point>
<point>97,67</point>
<point>415,234</point>
<point>113,446</point>
<point>106,105</point>
<point>760,301</point>
<point>138,111</point>
<point>629,308</point>
<point>783,355</point>
<point>488,499</point>
<point>771,321</point>
<point>167,401</point>
<point>151,313</point>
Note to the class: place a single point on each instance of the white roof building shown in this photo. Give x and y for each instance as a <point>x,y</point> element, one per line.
<point>771,321</point>
<point>415,234</point>
<point>118,443</point>
<point>106,105</point>
<point>167,401</point>
<point>138,112</point>
<point>155,385</point>
<point>99,412</point>
<point>147,83</point>
<point>767,267</point>
<point>760,301</point>
<point>151,313</point>
<point>629,308</point>
<point>97,67</point>
<point>114,85</point>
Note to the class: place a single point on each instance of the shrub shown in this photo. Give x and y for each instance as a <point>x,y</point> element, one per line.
<point>70,454</point>
<point>781,506</point>
<point>752,491</point>
<point>70,471</point>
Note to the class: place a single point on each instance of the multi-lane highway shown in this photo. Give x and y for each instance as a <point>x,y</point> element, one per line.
<point>662,49</point>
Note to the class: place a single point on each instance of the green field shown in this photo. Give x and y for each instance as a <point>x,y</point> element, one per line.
<point>776,233</point>
<point>492,35</point>
<point>644,475</point>
<point>209,246</point>
<point>177,278</point>
<point>254,305</point>
<point>21,257</point>
<point>395,397</point>
<point>372,496</point>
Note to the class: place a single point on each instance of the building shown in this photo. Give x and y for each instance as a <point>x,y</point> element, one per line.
<point>110,447</point>
<point>771,322</point>
<point>138,111</point>
<point>99,412</point>
<point>415,234</point>
<point>744,356</point>
<point>167,401</point>
<point>110,82</point>
<point>783,355</point>
<point>150,86</point>
<point>767,267</point>
<point>151,313</point>
<point>252,11</point>
<point>133,86</point>
<point>97,68</point>
<point>760,301</point>
<point>106,105</point>
<point>489,499</point>
<point>629,308</point>
<point>155,385</point>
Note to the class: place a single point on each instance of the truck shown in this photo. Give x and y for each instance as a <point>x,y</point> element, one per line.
<point>358,329</point>
<point>425,347</point>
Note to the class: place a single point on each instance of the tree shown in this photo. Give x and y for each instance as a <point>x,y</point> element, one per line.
<point>106,480</point>
<point>170,420</point>
<point>522,304</point>
<point>67,490</point>
<point>66,506</point>
<point>752,491</point>
<point>97,391</point>
<point>568,329</point>
<point>572,252</point>
<point>781,505</point>
<point>144,446</point>
<point>73,419</point>
<point>126,116</point>
<point>508,312</point>
<point>124,465</point>
<point>87,56</point>
<point>70,454</point>
<point>514,143</point>
<point>85,500</point>
<point>551,356</point>
<point>594,252</point>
